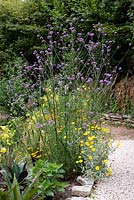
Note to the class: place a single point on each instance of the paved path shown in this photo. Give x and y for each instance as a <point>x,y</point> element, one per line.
<point>119,186</point>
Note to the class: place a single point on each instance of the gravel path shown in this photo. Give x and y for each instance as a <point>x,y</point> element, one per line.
<point>119,186</point>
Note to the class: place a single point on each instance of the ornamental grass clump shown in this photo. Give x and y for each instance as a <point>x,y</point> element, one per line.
<point>72,78</point>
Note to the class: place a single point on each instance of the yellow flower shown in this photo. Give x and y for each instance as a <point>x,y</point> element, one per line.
<point>82,151</point>
<point>39,156</point>
<point>84,118</point>
<point>3,150</point>
<point>92,128</point>
<point>59,131</point>
<point>81,141</point>
<point>80,161</point>
<point>65,137</point>
<point>9,143</point>
<point>97,168</point>
<point>83,86</point>
<point>93,136</point>
<point>57,97</point>
<point>79,157</point>
<point>109,172</point>
<point>108,144</point>
<point>73,123</point>
<point>105,130</point>
<point>92,142</point>
<point>90,138</point>
<point>105,161</point>
<point>86,133</point>
<point>93,149</point>
<point>118,144</point>
<point>78,129</point>
<point>4,128</point>
<point>90,157</point>
<point>34,153</point>
<point>87,144</point>
<point>5,136</point>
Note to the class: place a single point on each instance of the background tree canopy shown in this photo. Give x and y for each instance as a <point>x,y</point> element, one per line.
<point>22,21</point>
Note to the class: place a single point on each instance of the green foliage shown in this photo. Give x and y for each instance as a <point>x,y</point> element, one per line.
<point>3,95</point>
<point>4,195</point>
<point>68,84</point>
<point>45,182</point>
<point>11,88</point>
<point>17,170</point>
<point>54,130</point>
<point>13,192</point>
<point>50,179</point>
<point>21,22</point>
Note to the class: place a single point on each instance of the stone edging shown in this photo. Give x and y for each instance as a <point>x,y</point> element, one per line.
<point>83,191</point>
<point>120,119</point>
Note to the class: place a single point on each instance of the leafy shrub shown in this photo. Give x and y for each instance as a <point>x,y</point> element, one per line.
<point>50,179</point>
<point>15,96</point>
<point>10,85</point>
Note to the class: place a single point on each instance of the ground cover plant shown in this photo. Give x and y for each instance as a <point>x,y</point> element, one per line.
<point>62,128</point>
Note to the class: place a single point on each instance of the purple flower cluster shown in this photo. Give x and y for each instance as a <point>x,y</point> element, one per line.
<point>80,57</point>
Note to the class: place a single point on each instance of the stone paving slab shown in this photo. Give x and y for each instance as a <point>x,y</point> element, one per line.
<point>79,198</point>
<point>81,191</point>
<point>119,186</point>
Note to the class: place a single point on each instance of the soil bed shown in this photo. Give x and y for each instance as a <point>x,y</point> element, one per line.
<point>121,132</point>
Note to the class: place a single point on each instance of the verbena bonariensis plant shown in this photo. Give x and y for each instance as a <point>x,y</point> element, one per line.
<point>72,73</point>
<point>72,80</point>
